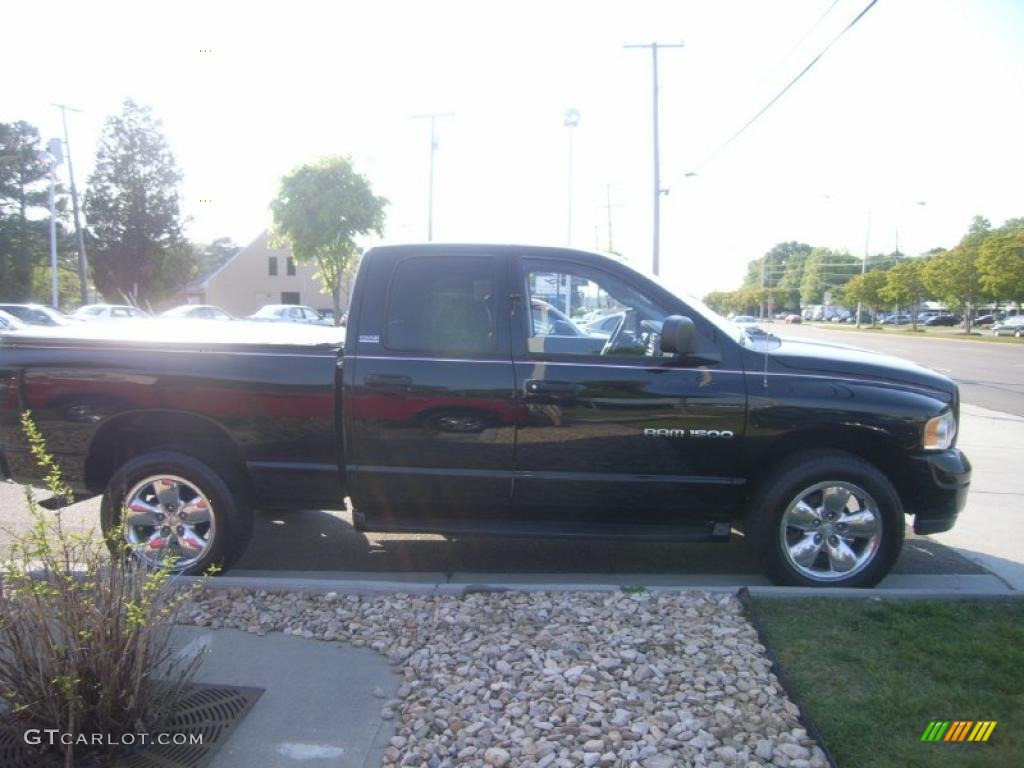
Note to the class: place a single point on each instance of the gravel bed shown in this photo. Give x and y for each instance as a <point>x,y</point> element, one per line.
<point>646,680</point>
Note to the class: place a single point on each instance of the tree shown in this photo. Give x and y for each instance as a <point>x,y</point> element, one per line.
<point>1001,262</point>
<point>953,276</point>
<point>23,192</point>
<point>865,289</point>
<point>138,251</point>
<point>904,286</point>
<point>779,269</point>
<point>212,255</point>
<point>319,212</point>
<point>823,270</point>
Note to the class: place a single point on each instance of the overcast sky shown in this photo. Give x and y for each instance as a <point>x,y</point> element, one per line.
<point>922,101</point>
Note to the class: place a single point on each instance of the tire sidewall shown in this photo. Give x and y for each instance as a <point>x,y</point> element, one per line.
<point>776,492</point>
<point>233,518</point>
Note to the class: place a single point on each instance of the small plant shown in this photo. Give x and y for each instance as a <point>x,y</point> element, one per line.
<point>84,635</point>
<point>633,589</point>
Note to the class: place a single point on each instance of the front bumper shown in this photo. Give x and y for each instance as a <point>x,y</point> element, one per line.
<point>939,483</point>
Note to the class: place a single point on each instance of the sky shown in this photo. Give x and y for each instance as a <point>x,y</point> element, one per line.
<point>921,102</point>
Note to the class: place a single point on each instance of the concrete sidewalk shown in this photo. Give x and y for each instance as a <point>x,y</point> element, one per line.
<point>321,705</point>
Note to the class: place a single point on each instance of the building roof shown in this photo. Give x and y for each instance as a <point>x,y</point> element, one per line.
<point>202,282</point>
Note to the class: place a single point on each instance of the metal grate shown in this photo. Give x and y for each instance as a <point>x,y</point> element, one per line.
<point>210,710</point>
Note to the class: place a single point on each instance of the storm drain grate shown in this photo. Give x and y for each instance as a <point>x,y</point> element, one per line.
<point>209,711</point>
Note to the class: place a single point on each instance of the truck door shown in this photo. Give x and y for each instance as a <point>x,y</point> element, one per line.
<point>611,423</point>
<point>429,399</point>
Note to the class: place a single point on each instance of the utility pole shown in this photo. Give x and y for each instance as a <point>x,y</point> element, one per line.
<point>83,271</point>
<point>864,263</point>
<point>658,191</point>
<point>432,116</point>
<point>570,121</point>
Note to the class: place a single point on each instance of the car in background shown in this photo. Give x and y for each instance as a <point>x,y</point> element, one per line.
<point>97,312</point>
<point>946,319</point>
<point>895,319</point>
<point>198,312</point>
<point>744,320</point>
<point>548,320</point>
<point>288,313</point>
<point>603,326</point>
<point>793,319</point>
<point>10,322</point>
<point>36,314</point>
<point>986,319</point>
<point>1011,326</point>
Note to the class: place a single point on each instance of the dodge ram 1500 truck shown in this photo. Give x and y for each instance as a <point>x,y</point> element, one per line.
<point>467,400</point>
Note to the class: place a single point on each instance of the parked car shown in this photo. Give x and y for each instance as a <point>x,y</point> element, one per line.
<point>603,326</point>
<point>943,319</point>
<point>449,410</point>
<point>986,319</point>
<point>198,312</point>
<point>744,321</point>
<point>10,322</point>
<point>794,319</point>
<point>36,314</point>
<point>1011,326</point>
<point>288,313</point>
<point>99,312</point>
<point>895,319</point>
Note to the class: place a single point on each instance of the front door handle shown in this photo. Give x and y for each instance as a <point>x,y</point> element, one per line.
<point>386,382</point>
<point>546,387</point>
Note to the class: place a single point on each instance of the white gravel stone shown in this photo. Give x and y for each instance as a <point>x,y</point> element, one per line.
<point>647,680</point>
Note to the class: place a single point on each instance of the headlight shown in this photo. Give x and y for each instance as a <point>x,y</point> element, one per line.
<point>939,432</point>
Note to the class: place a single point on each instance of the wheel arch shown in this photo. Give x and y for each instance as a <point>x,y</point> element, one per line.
<point>130,434</point>
<point>877,449</point>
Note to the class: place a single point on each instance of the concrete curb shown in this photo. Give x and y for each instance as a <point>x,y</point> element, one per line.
<point>906,587</point>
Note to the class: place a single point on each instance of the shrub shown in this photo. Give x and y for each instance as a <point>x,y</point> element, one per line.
<point>84,635</point>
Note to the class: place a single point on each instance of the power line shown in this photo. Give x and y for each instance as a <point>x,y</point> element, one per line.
<point>789,85</point>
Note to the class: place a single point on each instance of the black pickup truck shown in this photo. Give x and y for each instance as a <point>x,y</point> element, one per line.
<point>467,400</point>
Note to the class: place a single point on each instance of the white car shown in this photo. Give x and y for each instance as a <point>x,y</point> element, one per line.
<point>288,313</point>
<point>92,312</point>
<point>198,312</point>
<point>10,322</point>
<point>1011,326</point>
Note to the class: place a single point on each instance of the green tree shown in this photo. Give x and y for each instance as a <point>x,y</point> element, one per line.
<point>953,276</point>
<point>1001,262</point>
<point>24,204</point>
<point>824,270</point>
<point>137,249</point>
<point>212,255</point>
<point>865,289</point>
<point>319,211</point>
<point>779,269</point>
<point>904,286</point>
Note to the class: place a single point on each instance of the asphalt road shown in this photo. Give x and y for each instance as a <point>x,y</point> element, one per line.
<point>314,540</point>
<point>990,375</point>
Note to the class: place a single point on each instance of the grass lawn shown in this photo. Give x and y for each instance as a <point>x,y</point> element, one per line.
<point>906,331</point>
<point>871,674</point>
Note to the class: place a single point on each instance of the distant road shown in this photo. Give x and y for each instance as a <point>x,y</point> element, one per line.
<point>989,375</point>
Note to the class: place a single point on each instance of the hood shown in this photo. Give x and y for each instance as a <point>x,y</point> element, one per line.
<point>825,359</point>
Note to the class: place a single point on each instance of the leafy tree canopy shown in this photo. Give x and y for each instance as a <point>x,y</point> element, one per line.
<point>138,251</point>
<point>320,211</point>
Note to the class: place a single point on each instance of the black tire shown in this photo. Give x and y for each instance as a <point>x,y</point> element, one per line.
<point>785,485</point>
<point>232,516</point>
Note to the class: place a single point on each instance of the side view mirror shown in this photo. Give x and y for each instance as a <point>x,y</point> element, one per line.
<point>678,336</point>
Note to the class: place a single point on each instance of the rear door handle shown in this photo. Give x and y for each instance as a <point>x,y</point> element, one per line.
<point>387,382</point>
<point>545,387</point>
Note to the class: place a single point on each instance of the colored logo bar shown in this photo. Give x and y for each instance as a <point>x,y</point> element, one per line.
<point>958,730</point>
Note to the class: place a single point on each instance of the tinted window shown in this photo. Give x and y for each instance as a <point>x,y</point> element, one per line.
<point>272,265</point>
<point>443,306</point>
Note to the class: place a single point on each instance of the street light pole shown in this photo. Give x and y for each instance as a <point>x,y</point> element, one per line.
<point>83,271</point>
<point>658,191</point>
<point>432,116</point>
<point>570,121</point>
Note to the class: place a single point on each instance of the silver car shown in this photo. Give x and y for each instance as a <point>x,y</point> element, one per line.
<point>1011,326</point>
<point>289,313</point>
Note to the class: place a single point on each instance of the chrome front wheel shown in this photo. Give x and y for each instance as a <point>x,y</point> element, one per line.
<point>830,531</point>
<point>168,518</point>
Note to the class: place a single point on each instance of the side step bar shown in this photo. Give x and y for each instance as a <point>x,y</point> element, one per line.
<point>704,531</point>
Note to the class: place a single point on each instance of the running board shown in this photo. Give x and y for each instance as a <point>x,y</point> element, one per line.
<point>704,531</point>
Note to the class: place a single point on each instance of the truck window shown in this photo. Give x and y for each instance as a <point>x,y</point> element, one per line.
<point>443,306</point>
<point>582,311</point>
